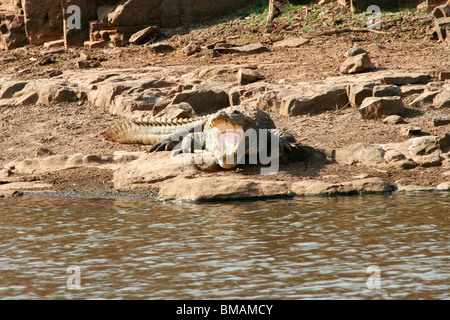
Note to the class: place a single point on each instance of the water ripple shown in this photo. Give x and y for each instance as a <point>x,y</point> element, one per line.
<point>309,248</point>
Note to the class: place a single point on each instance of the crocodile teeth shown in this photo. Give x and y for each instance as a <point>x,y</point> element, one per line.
<point>228,138</point>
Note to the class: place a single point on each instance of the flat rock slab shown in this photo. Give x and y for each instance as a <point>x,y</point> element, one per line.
<point>222,188</point>
<point>152,168</point>
<point>144,35</point>
<point>361,186</point>
<point>406,78</point>
<point>291,42</point>
<point>23,186</point>
<point>59,162</point>
<point>252,48</point>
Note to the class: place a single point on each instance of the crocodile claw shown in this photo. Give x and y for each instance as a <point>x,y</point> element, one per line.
<point>161,146</point>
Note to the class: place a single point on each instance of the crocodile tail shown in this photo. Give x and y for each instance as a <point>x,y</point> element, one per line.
<point>120,132</point>
<point>148,131</point>
<point>128,131</point>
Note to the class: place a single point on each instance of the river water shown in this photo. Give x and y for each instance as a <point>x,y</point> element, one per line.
<point>358,247</point>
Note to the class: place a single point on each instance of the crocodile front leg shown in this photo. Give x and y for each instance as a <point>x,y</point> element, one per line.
<point>286,140</point>
<point>193,141</point>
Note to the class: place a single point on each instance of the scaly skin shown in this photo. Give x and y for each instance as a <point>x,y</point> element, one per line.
<point>214,133</point>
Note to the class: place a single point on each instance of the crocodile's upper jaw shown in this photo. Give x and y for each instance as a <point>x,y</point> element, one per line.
<point>225,139</point>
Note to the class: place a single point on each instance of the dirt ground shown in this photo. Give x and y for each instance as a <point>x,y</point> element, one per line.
<point>70,128</point>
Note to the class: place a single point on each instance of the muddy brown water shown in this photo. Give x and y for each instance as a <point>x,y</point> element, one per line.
<point>306,248</point>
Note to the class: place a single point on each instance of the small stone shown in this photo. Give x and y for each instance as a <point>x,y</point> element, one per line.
<point>83,64</point>
<point>246,76</point>
<point>55,73</point>
<point>434,86</point>
<point>182,110</point>
<point>118,40</point>
<point>144,35</point>
<point>355,50</point>
<point>42,152</point>
<point>394,155</point>
<point>4,174</point>
<point>375,47</point>
<point>440,122</point>
<point>54,44</point>
<point>444,75</point>
<point>410,131</point>
<point>405,164</point>
<point>394,119</point>
<point>442,100</point>
<point>45,61</point>
<point>17,194</point>
<point>8,90</point>
<point>89,45</point>
<point>431,160</point>
<point>161,48</point>
<point>444,141</point>
<point>27,98</point>
<point>192,48</point>
<point>356,64</point>
<point>444,186</point>
<point>424,100</point>
<point>403,182</point>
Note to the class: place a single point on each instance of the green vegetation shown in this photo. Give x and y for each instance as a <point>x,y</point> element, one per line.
<point>307,19</point>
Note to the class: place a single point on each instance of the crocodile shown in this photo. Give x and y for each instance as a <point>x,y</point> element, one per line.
<point>229,134</point>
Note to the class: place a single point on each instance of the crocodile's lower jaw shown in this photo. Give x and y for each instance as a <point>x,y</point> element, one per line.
<point>228,138</point>
<point>226,163</point>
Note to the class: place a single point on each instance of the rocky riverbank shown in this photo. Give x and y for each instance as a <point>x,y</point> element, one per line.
<point>380,129</point>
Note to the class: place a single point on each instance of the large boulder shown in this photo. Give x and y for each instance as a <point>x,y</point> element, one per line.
<point>442,100</point>
<point>360,153</point>
<point>155,167</point>
<point>358,92</point>
<point>208,96</point>
<point>313,99</point>
<point>378,107</point>
<point>222,188</point>
<point>51,92</point>
<point>138,14</point>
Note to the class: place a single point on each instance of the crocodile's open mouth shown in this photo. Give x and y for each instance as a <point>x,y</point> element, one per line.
<point>228,137</point>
